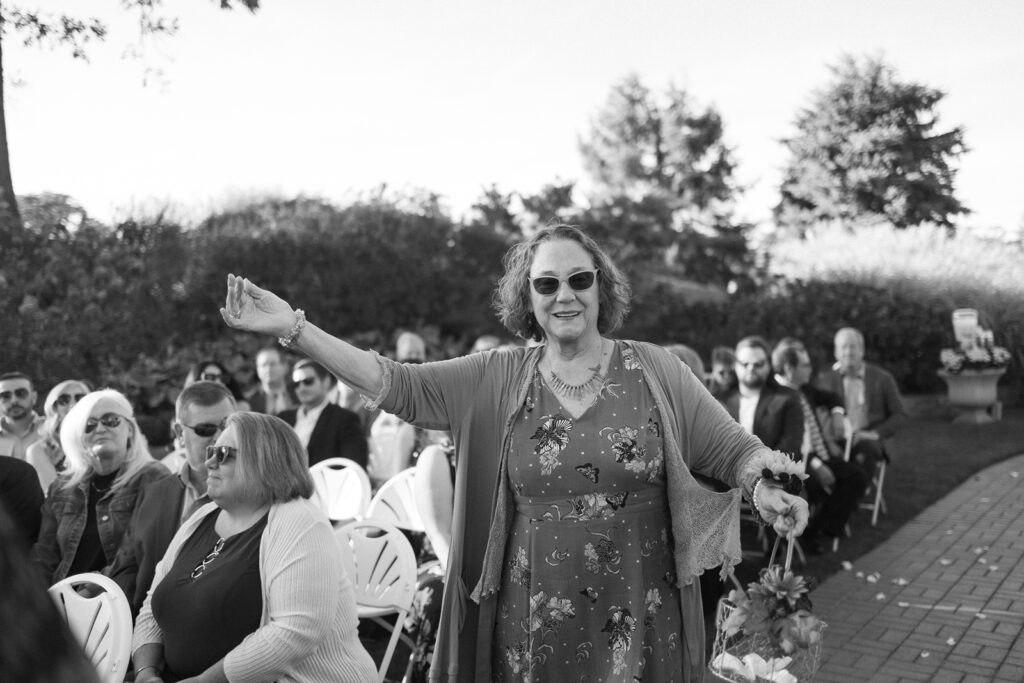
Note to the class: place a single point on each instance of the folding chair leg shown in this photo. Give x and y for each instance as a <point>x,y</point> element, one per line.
<point>396,632</point>
<point>879,499</point>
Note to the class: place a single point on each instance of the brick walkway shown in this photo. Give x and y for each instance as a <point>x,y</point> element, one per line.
<point>940,600</point>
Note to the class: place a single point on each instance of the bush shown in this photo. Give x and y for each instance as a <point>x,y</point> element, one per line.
<point>920,275</point>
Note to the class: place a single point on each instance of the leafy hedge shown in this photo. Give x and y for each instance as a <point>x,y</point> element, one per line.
<point>133,307</point>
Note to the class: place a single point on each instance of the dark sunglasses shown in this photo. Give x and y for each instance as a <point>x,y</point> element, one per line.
<point>308,382</point>
<point>579,281</point>
<point>110,421</point>
<point>18,393</point>
<point>68,399</point>
<point>755,365</point>
<point>205,429</point>
<point>221,454</point>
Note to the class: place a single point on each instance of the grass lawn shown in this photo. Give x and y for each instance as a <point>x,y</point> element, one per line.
<point>931,457</point>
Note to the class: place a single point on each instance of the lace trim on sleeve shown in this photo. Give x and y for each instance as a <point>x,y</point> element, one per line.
<point>776,463</point>
<point>386,372</point>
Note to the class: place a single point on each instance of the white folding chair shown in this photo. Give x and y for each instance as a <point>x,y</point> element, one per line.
<point>342,487</point>
<point>102,625</point>
<point>395,502</point>
<point>382,568</point>
<point>877,503</point>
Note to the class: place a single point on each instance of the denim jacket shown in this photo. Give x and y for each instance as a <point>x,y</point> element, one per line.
<point>65,516</point>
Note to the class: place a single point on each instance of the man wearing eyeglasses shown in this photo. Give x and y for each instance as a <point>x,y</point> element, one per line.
<point>19,424</point>
<point>326,429</point>
<point>200,412</point>
<point>770,412</point>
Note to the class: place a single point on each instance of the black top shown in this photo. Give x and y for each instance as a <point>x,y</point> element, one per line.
<point>89,557</point>
<point>204,618</point>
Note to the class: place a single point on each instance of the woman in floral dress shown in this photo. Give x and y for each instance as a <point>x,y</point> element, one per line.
<point>578,531</point>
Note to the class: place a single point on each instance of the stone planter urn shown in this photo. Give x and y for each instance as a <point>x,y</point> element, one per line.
<point>973,393</point>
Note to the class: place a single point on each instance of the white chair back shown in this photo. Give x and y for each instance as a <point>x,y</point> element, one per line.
<point>382,568</point>
<point>395,502</point>
<point>392,441</point>
<point>342,488</point>
<point>102,625</point>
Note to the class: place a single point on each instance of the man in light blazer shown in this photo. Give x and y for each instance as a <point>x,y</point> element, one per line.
<point>326,429</point>
<point>871,397</point>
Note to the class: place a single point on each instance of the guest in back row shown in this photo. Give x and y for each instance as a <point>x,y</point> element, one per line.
<point>46,455</point>
<point>19,424</point>
<point>273,396</point>
<point>252,586</point>
<point>325,429</point>
<point>215,371</point>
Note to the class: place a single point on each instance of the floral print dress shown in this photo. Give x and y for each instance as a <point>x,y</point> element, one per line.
<point>588,589</point>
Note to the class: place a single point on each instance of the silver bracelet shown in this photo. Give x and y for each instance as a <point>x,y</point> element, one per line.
<point>753,501</point>
<point>300,322</point>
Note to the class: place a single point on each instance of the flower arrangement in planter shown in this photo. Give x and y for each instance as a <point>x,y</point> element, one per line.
<point>768,632</point>
<point>975,353</point>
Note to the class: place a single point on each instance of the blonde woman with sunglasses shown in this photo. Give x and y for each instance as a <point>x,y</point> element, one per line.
<point>89,505</point>
<point>46,455</point>
<point>578,530</point>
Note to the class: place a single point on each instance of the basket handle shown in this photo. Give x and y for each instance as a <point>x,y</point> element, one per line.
<point>789,551</point>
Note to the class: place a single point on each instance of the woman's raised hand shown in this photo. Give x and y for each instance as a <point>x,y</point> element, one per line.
<point>248,307</point>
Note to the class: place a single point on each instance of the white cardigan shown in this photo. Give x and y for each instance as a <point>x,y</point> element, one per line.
<point>308,632</point>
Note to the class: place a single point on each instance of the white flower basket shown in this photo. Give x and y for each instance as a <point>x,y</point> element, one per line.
<point>743,658</point>
<point>748,657</point>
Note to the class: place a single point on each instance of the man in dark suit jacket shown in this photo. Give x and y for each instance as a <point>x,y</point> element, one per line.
<point>273,396</point>
<point>768,411</point>
<point>161,508</point>
<point>326,429</point>
<point>871,397</point>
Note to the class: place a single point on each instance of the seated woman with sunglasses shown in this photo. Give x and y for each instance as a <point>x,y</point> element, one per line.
<point>251,587</point>
<point>46,455</point>
<point>578,530</point>
<point>89,505</point>
<point>214,371</point>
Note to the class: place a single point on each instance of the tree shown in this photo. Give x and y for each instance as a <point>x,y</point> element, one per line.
<point>867,149</point>
<point>36,28</point>
<point>665,181</point>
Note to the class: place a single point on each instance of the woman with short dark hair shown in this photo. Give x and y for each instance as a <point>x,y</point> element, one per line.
<point>252,586</point>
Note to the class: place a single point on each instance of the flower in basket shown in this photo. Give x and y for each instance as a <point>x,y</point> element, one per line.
<point>977,353</point>
<point>777,605</point>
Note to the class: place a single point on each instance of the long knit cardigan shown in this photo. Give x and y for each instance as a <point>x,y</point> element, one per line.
<point>477,397</point>
<point>308,629</point>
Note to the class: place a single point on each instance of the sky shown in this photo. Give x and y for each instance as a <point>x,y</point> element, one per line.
<point>332,98</point>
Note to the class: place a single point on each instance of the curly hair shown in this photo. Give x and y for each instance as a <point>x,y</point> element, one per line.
<point>511,298</point>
